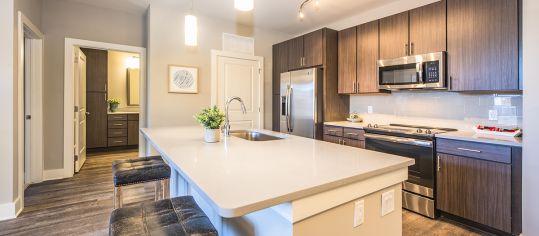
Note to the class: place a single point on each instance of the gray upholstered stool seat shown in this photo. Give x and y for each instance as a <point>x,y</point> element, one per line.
<point>177,216</point>
<point>140,170</point>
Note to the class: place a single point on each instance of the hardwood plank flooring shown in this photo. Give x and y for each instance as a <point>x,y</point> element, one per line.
<point>81,205</point>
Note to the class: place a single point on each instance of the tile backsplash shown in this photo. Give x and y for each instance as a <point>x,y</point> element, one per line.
<point>442,109</point>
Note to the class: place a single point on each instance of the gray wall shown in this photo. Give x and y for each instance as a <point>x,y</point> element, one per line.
<point>166,46</point>
<point>67,19</point>
<point>531,116</point>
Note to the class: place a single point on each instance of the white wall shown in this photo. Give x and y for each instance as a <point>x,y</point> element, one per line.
<point>166,46</point>
<point>61,19</point>
<point>7,126</point>
<point>531,117</point>
<point>117,77</point>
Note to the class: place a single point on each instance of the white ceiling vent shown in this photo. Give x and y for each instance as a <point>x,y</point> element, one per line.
<point>239,44</point>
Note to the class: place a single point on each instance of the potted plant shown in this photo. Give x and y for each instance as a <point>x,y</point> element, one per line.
<point>211,119</point>
<point>113,104</point>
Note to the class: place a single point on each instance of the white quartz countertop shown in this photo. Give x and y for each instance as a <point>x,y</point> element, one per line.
<point>239,176</point>
<point>346,124</point>
<point>482,138</point>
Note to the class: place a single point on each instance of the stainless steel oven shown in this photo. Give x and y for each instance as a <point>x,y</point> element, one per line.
<point>427,71</point>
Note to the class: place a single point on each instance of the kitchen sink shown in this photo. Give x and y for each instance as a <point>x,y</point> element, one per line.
<point>253,135</point>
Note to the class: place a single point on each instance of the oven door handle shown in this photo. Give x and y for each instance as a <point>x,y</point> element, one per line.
<point>409,141</point>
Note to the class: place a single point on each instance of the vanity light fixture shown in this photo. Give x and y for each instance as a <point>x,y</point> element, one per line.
<point>133,62</point>
<point>191,29</point>
<point>301,15</point>
<point>244,5</point>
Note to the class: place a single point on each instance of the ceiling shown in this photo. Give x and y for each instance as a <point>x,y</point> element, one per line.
<point>276,15</point>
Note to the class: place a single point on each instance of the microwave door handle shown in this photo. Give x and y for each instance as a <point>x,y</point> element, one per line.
<point>419,69</point>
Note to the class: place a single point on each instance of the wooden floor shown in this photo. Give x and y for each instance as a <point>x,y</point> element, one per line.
<point>81,205</point>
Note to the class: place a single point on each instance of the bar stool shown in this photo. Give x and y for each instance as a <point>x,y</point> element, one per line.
<point>177,216</point>
<point>140,170</point>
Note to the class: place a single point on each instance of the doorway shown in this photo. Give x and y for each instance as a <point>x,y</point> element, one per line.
<point>96,125</point>
<point>29,106</point>
<point>239,75</point>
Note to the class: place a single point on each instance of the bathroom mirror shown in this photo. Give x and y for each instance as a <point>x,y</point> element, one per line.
<point>133,87</point>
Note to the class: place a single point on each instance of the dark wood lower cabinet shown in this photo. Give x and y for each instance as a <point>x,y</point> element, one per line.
<point>123,130</point>
<point>132,132</point>
<point>332,139</point>
<point>476,190</point>
<point>344,136</point>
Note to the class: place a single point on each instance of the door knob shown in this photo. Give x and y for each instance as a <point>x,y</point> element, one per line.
<point>87,113</point>
<point>28,117</point>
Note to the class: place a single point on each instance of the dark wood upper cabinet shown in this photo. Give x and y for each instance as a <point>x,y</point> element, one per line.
<point>482,45</point>
<point>96,120</point>
<point>367,56</point>
<point>97,70</point>
<point>476,190</point>
<point>428,28</point>
<point>295,53</point>
<point>313,48</point>
<point>347,61</point>
<point>394,36</point>
<point>280,64</point>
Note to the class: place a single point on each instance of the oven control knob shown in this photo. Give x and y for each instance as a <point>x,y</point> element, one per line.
<point>419,131</point>
<point>428,131</point>
<point>369,126</point>
<point>375,126</point>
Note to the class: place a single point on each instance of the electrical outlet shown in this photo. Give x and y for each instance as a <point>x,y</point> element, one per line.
<point>359,213</point>
<point>369,109</point>
<point>388,202</point>
<point>493,115</point>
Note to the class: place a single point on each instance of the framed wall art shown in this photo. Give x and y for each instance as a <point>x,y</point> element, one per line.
<point>182,79</point>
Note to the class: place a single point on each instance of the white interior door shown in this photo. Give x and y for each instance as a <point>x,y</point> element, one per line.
<point>27,112</point>
<point>80,109</point>
<point>241,77</point>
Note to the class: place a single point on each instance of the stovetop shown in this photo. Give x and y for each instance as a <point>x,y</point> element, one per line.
<point>412,131</point>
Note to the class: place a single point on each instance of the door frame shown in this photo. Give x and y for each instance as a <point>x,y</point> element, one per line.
<point>69,103</point>
<point>214,72</point>
<point>25,27</point>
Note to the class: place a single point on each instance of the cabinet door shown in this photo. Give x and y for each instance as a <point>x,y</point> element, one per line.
<point>313,48</point>
<point>353,143</point>
<point>482,45</point>
<point>97,70</point>
<point>428,28</point>
<point>132,132</point>
<point>280,64</point>
<point>96,120</point>
<point>332,139</point>
<point>295,53</point>
<point>347,61</point>
<point>476,190</point>
<point>394,36</point>
<point>367,56</point>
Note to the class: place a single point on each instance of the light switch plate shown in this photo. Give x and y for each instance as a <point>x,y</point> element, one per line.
<point>359,213</point>
<point>369,109</point>
<point>388,202</point>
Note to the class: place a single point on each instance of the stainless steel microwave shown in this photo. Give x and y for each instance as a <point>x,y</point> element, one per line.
<point>426,71</point>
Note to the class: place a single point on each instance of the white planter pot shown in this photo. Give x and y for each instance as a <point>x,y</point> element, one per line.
<point>212,135</point>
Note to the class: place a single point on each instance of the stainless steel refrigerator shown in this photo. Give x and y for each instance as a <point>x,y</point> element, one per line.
<point>301,103</point>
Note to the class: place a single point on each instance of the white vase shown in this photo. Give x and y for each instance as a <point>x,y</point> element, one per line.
<point>212,135</point>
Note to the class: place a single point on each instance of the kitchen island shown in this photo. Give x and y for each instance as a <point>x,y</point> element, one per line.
<point>292,186</point>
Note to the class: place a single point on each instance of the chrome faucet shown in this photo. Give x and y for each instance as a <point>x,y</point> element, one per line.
<point>226,127</point>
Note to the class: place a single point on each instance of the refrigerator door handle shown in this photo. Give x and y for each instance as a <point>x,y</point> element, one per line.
<point>288,109</point>
<point>291,125</point>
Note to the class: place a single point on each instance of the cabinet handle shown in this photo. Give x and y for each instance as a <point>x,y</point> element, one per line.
<point>118,125</point>
<point>343,142</point>
<point>406,49</point>
<point>438,163</point>
<point>469,150</point>
<point>340,141</point>
<point>357,87</point>
<point>411,49</point>
<point>354,87</point>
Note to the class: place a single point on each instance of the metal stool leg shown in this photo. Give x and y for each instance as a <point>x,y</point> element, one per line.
<point>117,197</point>
<point>158,191</point>
<point>165,188</point>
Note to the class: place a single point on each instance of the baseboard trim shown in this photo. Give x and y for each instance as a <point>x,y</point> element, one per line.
<point>54,174</point>
<point>10,210</point>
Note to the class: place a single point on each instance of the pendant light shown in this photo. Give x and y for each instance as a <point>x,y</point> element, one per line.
<point>191,29</point>
<point>244,5</point>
